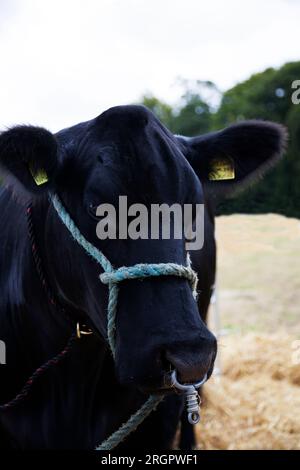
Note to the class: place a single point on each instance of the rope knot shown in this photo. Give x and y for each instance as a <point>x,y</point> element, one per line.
<point>142,271</point>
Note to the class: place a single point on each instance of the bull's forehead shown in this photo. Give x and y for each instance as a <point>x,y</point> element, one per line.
<point>131,142</point>
<point>130,117</point>
<point>110,122</point>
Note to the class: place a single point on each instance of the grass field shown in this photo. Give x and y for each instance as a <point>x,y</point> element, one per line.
<point>255,404</point>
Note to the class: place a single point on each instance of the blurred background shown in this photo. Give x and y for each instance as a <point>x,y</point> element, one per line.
<point>199,66</point>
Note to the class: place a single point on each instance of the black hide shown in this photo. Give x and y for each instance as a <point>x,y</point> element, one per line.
<point>124,151</point>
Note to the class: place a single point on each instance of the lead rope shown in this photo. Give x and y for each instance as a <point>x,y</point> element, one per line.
<point>37,374</point>
<point>112,277</point>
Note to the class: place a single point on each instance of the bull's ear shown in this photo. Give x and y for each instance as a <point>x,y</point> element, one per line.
<point>28,158</point>
<point>228,160</point>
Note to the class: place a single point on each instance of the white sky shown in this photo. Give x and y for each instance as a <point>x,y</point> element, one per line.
<point>65,61</point>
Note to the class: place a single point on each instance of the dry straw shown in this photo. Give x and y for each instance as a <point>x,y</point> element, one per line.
<point>256,404</point>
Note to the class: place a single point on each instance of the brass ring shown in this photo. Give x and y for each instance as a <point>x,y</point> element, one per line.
<point>82,330</point>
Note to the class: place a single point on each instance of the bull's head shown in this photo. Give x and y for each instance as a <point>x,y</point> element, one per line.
<point>127,151</point>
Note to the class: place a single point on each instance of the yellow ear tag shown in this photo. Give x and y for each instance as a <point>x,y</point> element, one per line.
<point>40,177</point>
<point>221,168</point>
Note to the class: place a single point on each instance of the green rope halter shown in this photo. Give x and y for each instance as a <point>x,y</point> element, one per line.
<point>112,277</point>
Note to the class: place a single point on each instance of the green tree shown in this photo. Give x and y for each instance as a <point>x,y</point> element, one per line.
<point>193,118</point>
<point>191,115</point>
<point>267,96</point>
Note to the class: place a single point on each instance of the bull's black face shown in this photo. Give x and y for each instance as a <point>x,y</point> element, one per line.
<point>126,151</point>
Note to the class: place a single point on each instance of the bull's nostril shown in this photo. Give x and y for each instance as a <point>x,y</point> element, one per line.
<point>191,364</point>
<point>165,364</point>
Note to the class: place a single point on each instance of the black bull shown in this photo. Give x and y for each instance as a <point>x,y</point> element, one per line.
<point>124,151</point>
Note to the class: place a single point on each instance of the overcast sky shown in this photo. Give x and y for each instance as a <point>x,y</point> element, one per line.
<point>65,61</point>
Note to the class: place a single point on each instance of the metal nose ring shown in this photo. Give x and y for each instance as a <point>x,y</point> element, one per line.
<point>191,395</point>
